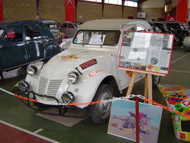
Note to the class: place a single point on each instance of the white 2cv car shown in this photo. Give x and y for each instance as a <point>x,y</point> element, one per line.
<point>87,71</point>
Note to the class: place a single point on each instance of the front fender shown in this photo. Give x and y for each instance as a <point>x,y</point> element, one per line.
<point>85,90</point>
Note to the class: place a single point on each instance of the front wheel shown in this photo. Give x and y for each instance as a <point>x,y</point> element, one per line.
<point>101,112</point>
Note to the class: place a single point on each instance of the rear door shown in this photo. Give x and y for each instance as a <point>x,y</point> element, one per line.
<point>34,42</point>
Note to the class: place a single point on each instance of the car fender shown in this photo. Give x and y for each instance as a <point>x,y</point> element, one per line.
<point>86,89</point>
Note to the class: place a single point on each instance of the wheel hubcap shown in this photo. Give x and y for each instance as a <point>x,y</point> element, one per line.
<point>106,106</point>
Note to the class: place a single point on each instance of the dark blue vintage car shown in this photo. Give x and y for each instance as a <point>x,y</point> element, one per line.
<point>23,42</point>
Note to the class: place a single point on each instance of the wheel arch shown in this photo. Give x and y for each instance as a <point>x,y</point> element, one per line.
<point>110,80</point>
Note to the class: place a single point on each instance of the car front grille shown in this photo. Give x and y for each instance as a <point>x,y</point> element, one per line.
<point>42,85</point>
<point>48,87</point>
<point>53,86</point>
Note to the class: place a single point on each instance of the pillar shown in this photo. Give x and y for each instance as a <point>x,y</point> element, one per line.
<point>182,11</point>
<point>1,10</point>
<point>70,10</point>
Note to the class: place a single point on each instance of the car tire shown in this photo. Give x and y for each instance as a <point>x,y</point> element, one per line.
<point>155,81</point>
<point>99,113</point>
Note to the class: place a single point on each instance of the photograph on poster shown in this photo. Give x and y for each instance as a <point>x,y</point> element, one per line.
<point>123,122</point>
<point>149,52</point>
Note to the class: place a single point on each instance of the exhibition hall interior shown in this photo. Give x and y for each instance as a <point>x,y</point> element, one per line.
<point>99,71</point>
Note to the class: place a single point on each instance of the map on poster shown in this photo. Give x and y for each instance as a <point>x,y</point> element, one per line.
<point>146,52</point>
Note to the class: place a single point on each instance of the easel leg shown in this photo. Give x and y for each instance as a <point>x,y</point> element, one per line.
<point>149,78</point>
<point>146,87</point>
<point>131,84</point>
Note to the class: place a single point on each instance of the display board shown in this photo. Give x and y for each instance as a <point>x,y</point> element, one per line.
<point>122,121</point>
<point>146,52</point>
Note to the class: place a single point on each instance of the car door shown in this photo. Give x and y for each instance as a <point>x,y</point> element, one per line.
<point>34,43</point>
<point>12,51</point>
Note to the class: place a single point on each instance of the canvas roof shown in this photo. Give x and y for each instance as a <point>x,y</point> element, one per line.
<point>104,24</point>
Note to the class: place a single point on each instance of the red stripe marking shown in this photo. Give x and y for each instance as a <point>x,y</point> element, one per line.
<point>12,135</point>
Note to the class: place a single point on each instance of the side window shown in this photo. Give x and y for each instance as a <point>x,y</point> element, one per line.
<point>32,32</point>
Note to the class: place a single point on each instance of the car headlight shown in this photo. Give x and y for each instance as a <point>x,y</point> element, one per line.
<point>73,77</point>
<point>67,97</point>
<point>31,70</point>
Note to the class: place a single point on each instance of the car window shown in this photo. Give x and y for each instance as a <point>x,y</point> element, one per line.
<point>97,37</point>
<point>13,34</point>
<point>32,32</point>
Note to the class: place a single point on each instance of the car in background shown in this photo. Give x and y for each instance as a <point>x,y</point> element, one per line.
<point>23,42</point>
<point>67,31</point>
<point>53,26</point>
<point>173,27</point>
<point>178,29</point>
<point>159,27</point>
<point>69,28</point>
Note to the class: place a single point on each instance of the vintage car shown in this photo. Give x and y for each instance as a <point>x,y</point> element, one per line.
<point>23,42</point>
<point>86,72</point>
<point>179,30</point>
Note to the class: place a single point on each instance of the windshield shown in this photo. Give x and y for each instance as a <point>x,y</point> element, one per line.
<point>97,37</point>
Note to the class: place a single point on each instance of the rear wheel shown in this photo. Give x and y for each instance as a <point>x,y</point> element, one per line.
<point>100,112</point>
<point>155,81</point>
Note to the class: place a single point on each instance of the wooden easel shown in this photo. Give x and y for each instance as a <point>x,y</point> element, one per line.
<point>147,89</point>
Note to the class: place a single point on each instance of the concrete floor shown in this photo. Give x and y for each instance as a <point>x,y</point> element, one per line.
<point>13,111</point>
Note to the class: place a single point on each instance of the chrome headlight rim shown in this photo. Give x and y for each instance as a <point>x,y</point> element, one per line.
<point>73,77</point>
<point>31,70</point>
<point>67,97</point>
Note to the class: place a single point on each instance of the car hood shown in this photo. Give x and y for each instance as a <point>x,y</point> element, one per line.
<point>65,62</point>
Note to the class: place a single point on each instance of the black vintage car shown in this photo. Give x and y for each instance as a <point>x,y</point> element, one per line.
<point>176,28</point>
<point>23,42</point>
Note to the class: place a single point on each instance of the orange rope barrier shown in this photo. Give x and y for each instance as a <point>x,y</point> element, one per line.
<point>101,102</point>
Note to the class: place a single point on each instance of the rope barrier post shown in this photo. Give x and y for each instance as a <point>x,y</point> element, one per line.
<point>137,120</point>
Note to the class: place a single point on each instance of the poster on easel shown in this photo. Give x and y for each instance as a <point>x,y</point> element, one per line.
<point>146,52</point>
<point>123,117</point>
